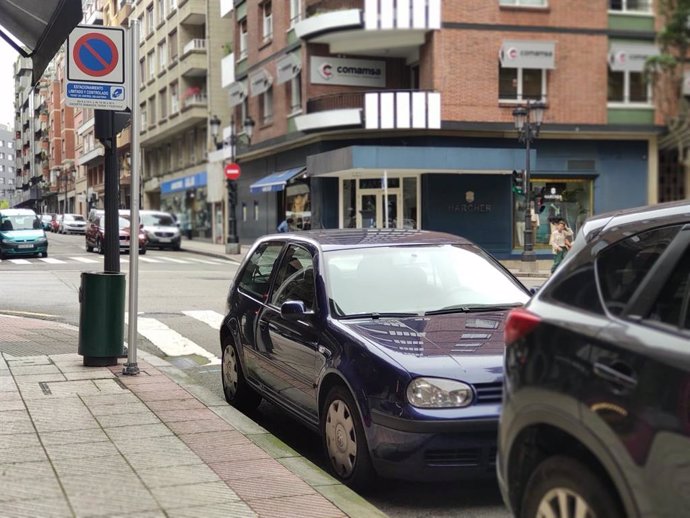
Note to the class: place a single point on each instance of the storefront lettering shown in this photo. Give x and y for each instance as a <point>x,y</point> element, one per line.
<point>470,207</point>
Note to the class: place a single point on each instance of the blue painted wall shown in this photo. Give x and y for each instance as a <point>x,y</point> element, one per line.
<point>484,216</point>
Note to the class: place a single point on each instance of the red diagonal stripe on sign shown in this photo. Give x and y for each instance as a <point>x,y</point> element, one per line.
<point>96,55</point>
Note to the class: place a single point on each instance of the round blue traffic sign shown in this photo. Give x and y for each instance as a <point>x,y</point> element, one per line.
<point>95,54</point>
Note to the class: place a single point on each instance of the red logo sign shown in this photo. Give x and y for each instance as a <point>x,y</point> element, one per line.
<point>232,171</point>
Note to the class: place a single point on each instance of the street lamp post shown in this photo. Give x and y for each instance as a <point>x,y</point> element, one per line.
<point>528,121</point>
<point>232,245</point>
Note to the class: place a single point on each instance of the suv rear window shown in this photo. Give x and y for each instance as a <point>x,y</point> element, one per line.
<point>623,265</point>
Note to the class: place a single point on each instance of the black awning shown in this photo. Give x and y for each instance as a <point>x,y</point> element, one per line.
<point>37,28</point>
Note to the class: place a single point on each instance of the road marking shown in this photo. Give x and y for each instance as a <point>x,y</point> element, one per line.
<point>212,318</point>
<point>85,260</point>
<point>170,341</point>
<point>52,260</point>
<point>149,260</point>
<point>204,261</point>
<point>172,260</point>
<point>20,261</point>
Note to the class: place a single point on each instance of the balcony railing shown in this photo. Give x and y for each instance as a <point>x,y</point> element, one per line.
<point>197,44</point>
<point>314,7</point>
<point>196,100</point>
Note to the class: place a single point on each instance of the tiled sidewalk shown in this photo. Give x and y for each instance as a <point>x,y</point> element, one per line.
<point>85,441</point>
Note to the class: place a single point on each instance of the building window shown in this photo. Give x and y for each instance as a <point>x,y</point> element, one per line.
<point>295,11</point>
<point>142,32</point>
<point>629,88</point>
<point>162,55</point>
<point>295,93</point>
<point>520,84</point>
<point>267,22</point>
<point>631,6</point>
<point>174,98</point>
<point>172,44</point>
<point>152,110</point>
<point>267,106</point>
<point>163,102</point>
<point>142,116</point>
<point>142,70</point>
<point>172,5</point>
<point>191,147</point>
<point>152,65</point>
<point>149,20</point>
<point>244,39</point>
<point>160,18</point>
<point>2,170</point>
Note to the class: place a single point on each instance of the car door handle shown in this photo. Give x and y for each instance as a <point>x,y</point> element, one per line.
<point>614,375</point>
<point>323,350</point>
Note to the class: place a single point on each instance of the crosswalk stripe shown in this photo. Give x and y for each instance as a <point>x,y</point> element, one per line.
<point>204,261</point>
<point>51,260</point>
<point>149,260</point>
<point>85,260</point>
<point>172,260</point>
<point>170,341</point>
<point>20,261</point>
<point>212,318</point>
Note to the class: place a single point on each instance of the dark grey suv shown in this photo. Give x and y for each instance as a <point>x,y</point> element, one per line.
<point>596,410</point>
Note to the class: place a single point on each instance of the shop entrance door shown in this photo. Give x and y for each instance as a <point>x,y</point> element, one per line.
<point>371,208</point>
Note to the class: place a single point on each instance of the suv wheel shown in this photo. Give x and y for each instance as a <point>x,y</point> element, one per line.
<point>561,487</point>
<point>99,246</point>
<point>344,442</point>
<point>237,392</point>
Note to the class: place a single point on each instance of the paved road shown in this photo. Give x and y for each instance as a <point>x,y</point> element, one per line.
<point>181,302</point>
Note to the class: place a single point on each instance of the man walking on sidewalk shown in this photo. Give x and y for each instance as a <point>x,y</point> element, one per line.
<point>560,243</point>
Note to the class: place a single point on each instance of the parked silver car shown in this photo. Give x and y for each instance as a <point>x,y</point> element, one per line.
<point>72,224</point>
<point>161,229</point>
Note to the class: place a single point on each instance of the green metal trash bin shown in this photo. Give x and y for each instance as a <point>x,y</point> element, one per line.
<point>101,317</point>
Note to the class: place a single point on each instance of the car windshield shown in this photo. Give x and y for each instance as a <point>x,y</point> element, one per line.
<point>74,217</point>
<point>23,222</point>
<point>123,222</point>
<point>416,279</point>
<point>157,220</point>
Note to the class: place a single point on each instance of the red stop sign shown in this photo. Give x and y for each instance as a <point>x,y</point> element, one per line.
<point>232,171</point>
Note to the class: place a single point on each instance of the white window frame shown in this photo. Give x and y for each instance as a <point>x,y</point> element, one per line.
<point>172,5</point>
<point>295,12</point>
<point>524,3</point>
<point>624,9</point>
<point>244,39</point>
<point>142,116</point>
<point>519,100</point>
<point>162,54</point>
<point>142,32</point>
<point>151,58</point>
<point>149,20</point>
<point>267,106</point>
<point>174,97</point>
<point>266,22</point>
<point>160,15</point>
<point>296,94</point>
<point>626,94</point>
<point>163,103</point>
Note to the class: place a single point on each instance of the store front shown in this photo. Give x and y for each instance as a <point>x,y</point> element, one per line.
<point>186,198</point>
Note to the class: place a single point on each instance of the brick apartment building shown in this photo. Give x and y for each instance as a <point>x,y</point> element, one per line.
<point>421,93</point>
<point>7,165</point>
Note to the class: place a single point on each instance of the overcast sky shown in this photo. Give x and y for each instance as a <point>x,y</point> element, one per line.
<point>7,57</point>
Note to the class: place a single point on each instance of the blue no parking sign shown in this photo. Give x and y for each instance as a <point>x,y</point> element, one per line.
<point>96,71</point>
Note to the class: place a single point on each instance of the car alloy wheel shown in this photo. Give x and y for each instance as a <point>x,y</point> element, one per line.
<point>561,487</point>
<point>237,392</point>
<point>344,440</point>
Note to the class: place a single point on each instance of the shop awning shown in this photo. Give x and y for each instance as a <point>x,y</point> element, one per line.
<point>276,181</point>
<point>37,28</point>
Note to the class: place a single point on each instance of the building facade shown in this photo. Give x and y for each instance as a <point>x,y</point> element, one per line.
<point>400,114</point>
<point>181,45</point>
<point>7,166</point>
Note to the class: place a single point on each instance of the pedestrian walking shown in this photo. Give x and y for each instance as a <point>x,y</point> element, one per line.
<point>561,238</point>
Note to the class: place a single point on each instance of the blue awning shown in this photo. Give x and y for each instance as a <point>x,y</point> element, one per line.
<point>276,181</point>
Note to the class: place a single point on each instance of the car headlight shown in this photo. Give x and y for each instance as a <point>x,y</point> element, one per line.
<point>41,240</point>
<point>438,393</point>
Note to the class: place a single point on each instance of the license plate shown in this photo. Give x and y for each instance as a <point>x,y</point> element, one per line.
<point>25,246</point>
<point>164,240</point>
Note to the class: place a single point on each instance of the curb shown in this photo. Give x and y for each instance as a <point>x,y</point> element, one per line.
<point>232,258</point>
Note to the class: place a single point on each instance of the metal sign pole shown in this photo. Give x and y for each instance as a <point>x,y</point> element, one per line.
<point>131,366</point>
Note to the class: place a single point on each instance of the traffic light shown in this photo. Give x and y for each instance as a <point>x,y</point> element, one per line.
<point>519,182</point>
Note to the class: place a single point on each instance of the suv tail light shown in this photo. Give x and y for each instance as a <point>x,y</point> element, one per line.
<point>520,323</point>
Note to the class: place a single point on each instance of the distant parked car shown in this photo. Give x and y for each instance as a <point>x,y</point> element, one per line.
<point>47,222</point>
<point>95,235</point>
<point>389,343</point>
<point>596,415</point>
<point>72,224</point>
<point>161,229</point>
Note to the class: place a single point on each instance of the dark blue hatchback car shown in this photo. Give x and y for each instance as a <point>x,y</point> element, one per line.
<point>389,343</point>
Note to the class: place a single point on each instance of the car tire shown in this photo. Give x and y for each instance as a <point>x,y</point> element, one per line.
<point>99,247</point>
<point>142,251</point>
<point>344,441</point>
<point>560,479</point>
<point>237,392</point>
<point>88,248</point>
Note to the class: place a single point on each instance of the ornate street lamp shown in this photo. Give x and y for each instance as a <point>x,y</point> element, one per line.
<point>528,120</point>
<point>232,245</point>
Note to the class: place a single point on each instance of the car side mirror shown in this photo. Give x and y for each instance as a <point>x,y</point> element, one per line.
<point>295,310</point>
<point>533,290</point>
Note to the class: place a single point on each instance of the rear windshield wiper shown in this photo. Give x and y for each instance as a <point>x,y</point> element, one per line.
<point>473,308</point>
<point>376,316</point>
